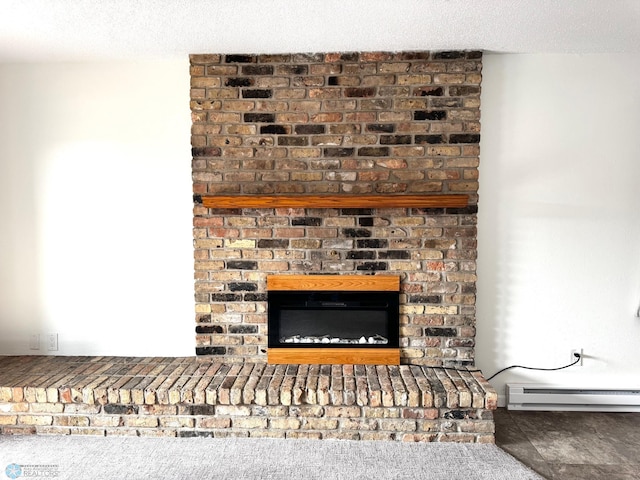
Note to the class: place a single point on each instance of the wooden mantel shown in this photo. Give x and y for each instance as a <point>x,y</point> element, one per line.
<point>335,201</point>
<point>331,283</point>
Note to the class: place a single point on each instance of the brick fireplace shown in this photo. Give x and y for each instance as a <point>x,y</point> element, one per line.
<point>342,124</point>
<point>352,165</point>
<point>349,165</point>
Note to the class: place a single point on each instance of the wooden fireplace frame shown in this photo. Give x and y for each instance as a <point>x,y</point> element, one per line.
<point>334,356</point>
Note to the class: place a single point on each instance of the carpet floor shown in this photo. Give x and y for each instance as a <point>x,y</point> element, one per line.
<point>110,458</point>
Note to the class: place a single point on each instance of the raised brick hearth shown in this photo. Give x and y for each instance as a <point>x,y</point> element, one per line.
<point>187,397</point>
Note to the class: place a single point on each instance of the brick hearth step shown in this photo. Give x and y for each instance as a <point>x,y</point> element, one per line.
<point>192,397</point>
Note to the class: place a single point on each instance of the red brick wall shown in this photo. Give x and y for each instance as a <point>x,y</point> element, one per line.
<point>340,123</point>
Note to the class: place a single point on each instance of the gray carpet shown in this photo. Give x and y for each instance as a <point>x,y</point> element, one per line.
<point>202,458</point>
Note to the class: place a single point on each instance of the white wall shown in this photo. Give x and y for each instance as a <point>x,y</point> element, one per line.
<point>95,208</point>
<point>559,221</point>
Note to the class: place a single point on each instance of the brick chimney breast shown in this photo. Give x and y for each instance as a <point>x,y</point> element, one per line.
<point>343,123</point>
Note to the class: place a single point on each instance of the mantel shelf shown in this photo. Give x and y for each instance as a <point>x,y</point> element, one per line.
<point>335,201</point>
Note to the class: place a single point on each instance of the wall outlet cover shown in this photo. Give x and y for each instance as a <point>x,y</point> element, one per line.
<point>52,345</point>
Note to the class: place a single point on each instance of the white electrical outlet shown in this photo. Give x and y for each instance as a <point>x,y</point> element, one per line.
<point>52,344</point>
<point>573,356</point>
<point>34,342</point>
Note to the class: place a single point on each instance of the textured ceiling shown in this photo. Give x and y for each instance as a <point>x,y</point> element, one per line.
<point>84,30</point>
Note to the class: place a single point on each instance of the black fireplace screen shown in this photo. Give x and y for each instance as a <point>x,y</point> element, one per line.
<point>333,319</point>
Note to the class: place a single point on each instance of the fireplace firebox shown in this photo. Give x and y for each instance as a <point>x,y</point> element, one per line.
<point>333,319</point>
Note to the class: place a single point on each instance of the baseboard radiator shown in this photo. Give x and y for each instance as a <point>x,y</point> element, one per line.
<point>530,396</point>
